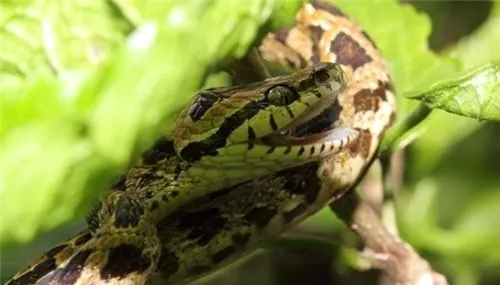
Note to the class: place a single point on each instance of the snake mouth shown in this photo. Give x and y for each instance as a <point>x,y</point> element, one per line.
<point>312,127</point>
<point>326,136</point>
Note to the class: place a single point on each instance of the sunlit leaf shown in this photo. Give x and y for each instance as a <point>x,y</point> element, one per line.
<point>473,95</point>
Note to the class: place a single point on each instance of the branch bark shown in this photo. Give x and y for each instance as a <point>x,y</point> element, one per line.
<point>398,261</point>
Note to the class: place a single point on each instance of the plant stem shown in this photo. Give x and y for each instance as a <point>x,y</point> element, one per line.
<point>249,69</point>
<point>394,134</point>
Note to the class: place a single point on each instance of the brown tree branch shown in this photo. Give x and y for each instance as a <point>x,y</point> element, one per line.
<point>399,262</point>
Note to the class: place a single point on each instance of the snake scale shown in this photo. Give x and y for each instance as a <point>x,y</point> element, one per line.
<point>231,216</point>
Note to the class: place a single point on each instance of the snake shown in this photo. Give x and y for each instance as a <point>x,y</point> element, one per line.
<point>180,213</point>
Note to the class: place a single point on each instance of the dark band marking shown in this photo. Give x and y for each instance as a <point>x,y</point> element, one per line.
<point>272,122</point>
<point>295,212</point>
<point>316,33</point>
<point>152,156</point>
<point>164,198</point>
<point>223,254</point>
<point>196,150</point>
<point>312,150</point>
<point>313,183</point>
<point>83,239</point>
<point>127,213</point>
<point>271,149</point>
<point>260,216</point>
<point>203,225</point>
<point>169,263</point>
<point>123,260</point>
<point>322,148</point>
<point>163,148</point>
<point>37,272</point>
<point>251,134</point>
<point>203,102</point>
<point>52,252</point>
<point>321,5</point>
<point>71,272</point>
<point>301,151</point>
<point>349,52</point>
<point>299,180</point>
<point>288,150</point>
<point>241,240</point>
<point>290,113</point>
<point>154,205</point>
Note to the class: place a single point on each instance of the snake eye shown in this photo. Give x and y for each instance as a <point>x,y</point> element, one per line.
<point>281,95</point>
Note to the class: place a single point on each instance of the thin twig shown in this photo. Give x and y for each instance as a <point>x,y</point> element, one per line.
<point>249,69</point>
<point>399,262</point>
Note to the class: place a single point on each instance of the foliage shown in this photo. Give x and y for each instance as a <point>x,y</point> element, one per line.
<point>86,85</point>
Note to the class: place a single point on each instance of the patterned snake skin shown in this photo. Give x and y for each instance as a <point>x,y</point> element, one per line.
<point>220,227</point>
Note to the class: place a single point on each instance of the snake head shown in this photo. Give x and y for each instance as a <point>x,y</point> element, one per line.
<point>240,117</point>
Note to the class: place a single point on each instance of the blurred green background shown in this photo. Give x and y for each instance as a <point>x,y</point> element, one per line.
<point>449,208</point>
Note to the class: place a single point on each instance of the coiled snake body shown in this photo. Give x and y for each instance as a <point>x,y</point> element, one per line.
<point>161,242</point>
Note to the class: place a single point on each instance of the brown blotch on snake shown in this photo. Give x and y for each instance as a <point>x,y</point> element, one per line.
<point>116,267</point>
<point>362,144</point>
<point>83,239</point>
<point>203,225</point>
<point>349,52</point>
<point>316,33</point>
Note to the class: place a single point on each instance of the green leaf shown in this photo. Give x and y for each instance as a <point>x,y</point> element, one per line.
<point>54,37</point>
<point>473,95</point>
<point>478,48</point>
<point>81,130</point>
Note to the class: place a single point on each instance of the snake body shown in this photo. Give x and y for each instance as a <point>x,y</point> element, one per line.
<point>214,228</point>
